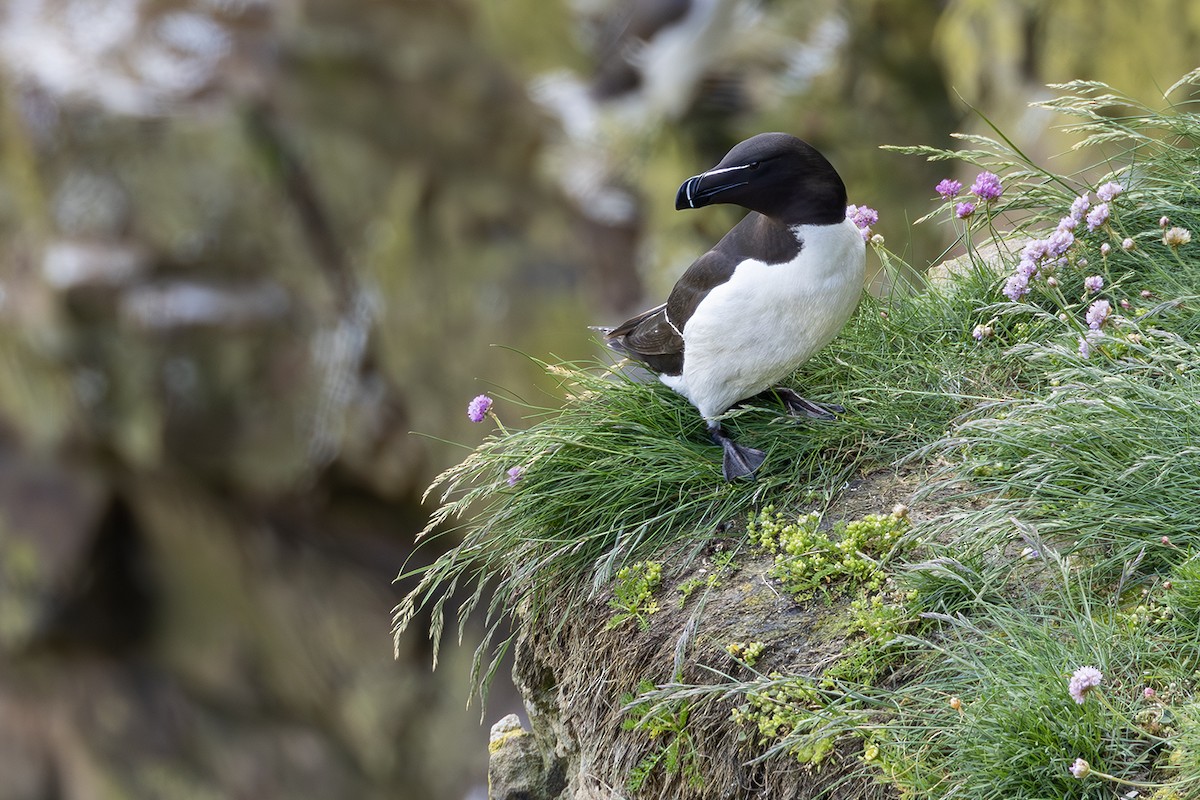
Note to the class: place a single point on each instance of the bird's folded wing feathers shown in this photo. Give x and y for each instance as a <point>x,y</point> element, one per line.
<point>653,336</point>
<point>706,272</point>
<point>649,333</point>
<point>656,336</point>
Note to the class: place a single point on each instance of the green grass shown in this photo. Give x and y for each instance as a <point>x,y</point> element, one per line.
<point>1077,539</point>
<point>1085,472</point>
<point>625,469</point>
<point>1017,730</point>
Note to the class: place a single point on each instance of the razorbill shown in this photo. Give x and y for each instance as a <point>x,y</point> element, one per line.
<point>776,289</point>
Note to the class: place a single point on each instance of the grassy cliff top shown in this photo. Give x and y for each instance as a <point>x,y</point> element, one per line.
<point>1044,384</point>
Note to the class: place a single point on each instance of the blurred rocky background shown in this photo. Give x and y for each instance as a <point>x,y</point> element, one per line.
<point>248,246</point>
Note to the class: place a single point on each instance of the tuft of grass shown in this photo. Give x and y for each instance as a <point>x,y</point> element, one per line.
<point>991,716</point>
<point>674,753</point>
<point>1106,463</point>
<point>1091,473</point>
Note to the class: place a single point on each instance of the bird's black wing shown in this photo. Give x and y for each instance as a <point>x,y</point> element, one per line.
<point>649,338</point>
<point>654,337</point>
<point>770,242</point>
<point>706,272</point>
<point>620,38</point>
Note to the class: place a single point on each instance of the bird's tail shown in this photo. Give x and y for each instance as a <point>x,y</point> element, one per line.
<point>612,342</point>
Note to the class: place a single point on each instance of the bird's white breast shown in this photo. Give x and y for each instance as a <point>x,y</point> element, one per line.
<point>767,319</point>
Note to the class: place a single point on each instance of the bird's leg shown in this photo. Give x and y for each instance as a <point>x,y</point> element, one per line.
<point>797,406</point>
<point>738,460</point>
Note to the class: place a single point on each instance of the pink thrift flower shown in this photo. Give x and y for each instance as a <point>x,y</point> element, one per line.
<point>514,475</point>
<point>1016,287</point>
<point>1083,681</point>
<point>1127,244</point>
<point>1097,314</point>
<point>478,408</point>
<point>964,210</point>
<point>1058,243</point>
<point>1109,191</point>
<point>1080,769</point>
<point>1148,693</point>
<point>1085,348</point>
<point>864,217</point>
<point>1105,249</point>
<point>1035,250</point>
<point>948,188</point>
<point>1097,216</point>
<point>987,186</point>
<point>1080,206</point>
<point>1093,283</point>
<point>1175,237</point>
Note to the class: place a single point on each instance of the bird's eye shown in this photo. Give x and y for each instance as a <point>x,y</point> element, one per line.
<point>753,165</point>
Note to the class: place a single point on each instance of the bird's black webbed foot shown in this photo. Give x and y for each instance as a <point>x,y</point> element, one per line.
<point>738,461</point>
<point>798,406</point>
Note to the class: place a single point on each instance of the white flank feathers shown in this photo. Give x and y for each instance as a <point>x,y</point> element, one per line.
<point>752,331</point>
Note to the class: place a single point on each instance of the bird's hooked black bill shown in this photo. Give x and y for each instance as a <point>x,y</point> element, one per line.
<point>699,190</point>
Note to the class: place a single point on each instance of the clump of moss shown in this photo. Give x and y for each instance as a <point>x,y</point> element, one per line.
<point>633,594</point>
<point>783,707</point>
<point>746,652</point>
<point>688,587</point>
<point>884,615</point>
<point>874,621</point>
<point>808,559</point>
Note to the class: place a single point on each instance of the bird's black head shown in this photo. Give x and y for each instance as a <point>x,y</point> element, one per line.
<point>775,174</point>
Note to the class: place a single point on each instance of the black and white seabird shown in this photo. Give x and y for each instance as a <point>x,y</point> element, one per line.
<point>776,289</point>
